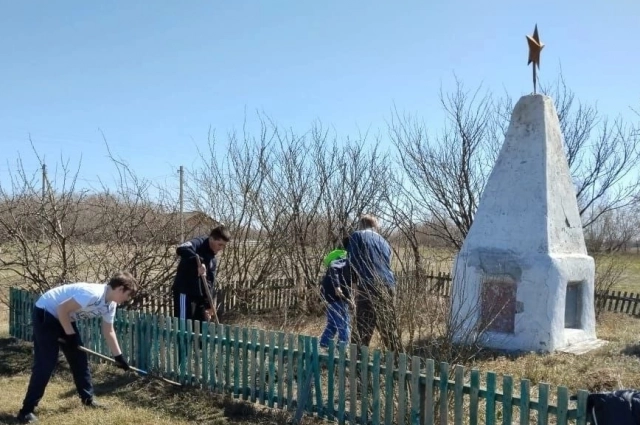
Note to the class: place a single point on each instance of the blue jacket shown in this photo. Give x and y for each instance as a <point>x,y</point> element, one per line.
<point>621,407</point>
<point>338,274</point>
<point>187,280</point>
<point>370,257</point>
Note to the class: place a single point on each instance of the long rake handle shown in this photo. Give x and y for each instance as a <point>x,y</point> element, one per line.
<point>140,371</point>
<point>214,307</point>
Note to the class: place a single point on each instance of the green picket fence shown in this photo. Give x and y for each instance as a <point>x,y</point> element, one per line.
<point>345,384</point>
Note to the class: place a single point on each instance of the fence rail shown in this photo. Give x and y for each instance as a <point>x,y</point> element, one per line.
<point>347,384</point>
<point>249,297</point>
<point>253,296</point>
<point>619,302</point>
<point>611,301</point>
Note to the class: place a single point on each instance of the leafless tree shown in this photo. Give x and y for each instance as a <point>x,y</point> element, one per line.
<point>138,223</point>
<point>613,231</point>
<point>447,172</point>
<point>608,238</point>
<point>232,185</point>
<point>296,183</point>
<point>41,226</point>
<point>85,234</point>
<point>293,196</point>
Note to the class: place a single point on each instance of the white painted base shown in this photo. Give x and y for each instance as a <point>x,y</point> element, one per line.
<point>584,346</point>
<point>541,281</point>
<point>526,232</point>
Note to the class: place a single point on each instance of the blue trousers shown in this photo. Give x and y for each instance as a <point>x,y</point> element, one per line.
<point>338,321</point>
<point>46,331</point>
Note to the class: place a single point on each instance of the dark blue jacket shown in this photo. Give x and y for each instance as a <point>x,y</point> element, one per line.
<point>370,257</point>
<point>620,407</point>
<point>338,274</point>
<point>187,280</point>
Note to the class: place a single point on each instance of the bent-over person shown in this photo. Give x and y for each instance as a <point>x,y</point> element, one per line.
<point>54,327</point>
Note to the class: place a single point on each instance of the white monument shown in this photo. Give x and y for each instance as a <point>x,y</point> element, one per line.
<point>523,275</point>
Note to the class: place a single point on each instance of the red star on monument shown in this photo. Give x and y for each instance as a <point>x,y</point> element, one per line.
<point>535,47</point>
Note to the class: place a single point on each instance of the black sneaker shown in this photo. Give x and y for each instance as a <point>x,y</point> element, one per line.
<point>27,418</point>
<point>93,404</point>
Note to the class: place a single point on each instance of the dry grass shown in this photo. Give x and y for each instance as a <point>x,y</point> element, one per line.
<point>136,400</point>
<point>131,400</point>
<point>630,280</point>
<point>614,366</point>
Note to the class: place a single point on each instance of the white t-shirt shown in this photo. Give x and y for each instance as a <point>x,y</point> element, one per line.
<point>90,296</point>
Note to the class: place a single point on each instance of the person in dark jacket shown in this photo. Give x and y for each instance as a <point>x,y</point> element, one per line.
<point>190,299</point>
<point>620,407</point>
<point>336,293</point>
<point>370,256</point>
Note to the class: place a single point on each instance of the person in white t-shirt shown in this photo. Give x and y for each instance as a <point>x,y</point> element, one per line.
<point>54,327</point>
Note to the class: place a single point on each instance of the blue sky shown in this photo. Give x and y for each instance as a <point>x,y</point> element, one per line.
<point>154,76</point>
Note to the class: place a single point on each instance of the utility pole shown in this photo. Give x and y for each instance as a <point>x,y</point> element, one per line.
<point>181,171</point>
<point>44,188</point>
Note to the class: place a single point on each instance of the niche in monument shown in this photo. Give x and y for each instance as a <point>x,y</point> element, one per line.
<point>523,273</point>
<point>498,303</point>
<point>573,305</point>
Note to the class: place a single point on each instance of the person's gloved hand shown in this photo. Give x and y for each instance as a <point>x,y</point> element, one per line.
<point>71,340</point>
<point>121,362</point>
<point>208,314</point>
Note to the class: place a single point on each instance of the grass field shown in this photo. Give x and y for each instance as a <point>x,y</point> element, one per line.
<point>615,365</point>
<point>630,280</point>
<point>131,400</point>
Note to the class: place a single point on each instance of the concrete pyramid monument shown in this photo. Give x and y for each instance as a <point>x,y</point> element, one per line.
<point>523,279</point>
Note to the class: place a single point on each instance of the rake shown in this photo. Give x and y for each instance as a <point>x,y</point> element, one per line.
<point>214,307</point>
<point>138,371</point>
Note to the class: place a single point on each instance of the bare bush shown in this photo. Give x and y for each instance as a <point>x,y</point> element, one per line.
<point>447,172</point>
<point>65,234</point>
<point>613,230</point>
<point>287,199</point>
<point>610,270</point>
<point>41,227</point>
<point>233,189</point>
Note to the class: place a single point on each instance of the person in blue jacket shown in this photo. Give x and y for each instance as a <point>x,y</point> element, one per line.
<point>336,293</point>
<point>369,254</point>
<point>189,295</point>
